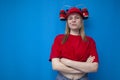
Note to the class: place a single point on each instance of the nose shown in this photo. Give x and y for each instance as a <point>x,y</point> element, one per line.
<point>73,20</point>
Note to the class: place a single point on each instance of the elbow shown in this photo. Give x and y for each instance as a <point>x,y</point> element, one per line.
<point>54,67</point>
<point>92,68</point>
<point>55,64</point>
<point>95,67</point>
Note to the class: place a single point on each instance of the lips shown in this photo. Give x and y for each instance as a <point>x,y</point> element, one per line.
<point>74,24</point>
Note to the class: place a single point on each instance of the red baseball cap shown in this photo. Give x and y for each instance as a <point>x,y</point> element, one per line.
<point>73,10</point>
<point>83,12</point>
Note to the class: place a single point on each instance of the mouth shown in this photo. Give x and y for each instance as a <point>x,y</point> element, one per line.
<point>74,24</point>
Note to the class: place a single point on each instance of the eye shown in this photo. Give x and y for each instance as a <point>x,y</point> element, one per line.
<point>70,18</point>
<point>77,17</point>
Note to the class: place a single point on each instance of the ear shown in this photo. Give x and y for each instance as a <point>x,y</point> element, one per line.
<point>85,13</point>
<point>62,15</point>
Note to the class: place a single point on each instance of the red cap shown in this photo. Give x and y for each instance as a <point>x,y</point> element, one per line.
<point>83,12</point>
<point>73,10</point>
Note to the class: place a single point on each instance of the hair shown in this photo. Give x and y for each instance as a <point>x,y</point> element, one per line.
<point>67,32</point>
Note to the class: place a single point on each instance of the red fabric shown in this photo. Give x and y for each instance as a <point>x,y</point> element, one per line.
<point>74,48</point>
<point>62,15</point>
<point>74,10</point>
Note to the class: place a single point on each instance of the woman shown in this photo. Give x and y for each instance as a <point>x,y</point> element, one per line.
<point>74,54</point>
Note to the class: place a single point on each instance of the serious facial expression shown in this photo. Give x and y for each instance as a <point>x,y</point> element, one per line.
<point>74,21</point>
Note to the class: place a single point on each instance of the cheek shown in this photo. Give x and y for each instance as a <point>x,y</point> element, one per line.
<point>80,22</point>
<point>69,22</point>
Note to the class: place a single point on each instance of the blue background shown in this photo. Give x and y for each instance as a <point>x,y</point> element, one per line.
<point>28,28</point>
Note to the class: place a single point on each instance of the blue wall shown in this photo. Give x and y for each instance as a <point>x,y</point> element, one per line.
<point>28,27</point>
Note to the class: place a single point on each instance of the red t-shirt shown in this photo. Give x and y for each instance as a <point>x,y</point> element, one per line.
<point>74,48</point>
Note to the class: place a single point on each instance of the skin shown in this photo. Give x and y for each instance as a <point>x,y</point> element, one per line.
<point>75,22</point>
<point>70,68</point>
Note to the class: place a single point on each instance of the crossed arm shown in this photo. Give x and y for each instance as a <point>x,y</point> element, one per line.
<point>85,67</point>
<point>59,66</point>
<point>70,66</point>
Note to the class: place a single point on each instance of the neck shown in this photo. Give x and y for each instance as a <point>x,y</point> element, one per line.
<point>75,32</point>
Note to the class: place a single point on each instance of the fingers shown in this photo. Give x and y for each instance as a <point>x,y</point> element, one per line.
<point>90,59</point>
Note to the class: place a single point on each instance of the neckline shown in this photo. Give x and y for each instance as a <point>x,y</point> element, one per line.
<point>74,35</point>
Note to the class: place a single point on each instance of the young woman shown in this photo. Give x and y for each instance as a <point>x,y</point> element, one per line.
<point>74,54</point>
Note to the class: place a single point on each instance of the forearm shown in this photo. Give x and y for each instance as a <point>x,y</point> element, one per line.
<point>83,66</point>
<point>57,65</point>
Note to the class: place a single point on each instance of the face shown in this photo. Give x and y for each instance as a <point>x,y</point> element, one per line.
<point>74,21</point>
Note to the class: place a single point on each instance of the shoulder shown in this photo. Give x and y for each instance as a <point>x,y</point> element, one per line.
<point>59,37</point>
<point>90,39</point>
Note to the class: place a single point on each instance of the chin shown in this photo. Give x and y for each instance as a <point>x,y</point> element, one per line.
<point>75,28</point>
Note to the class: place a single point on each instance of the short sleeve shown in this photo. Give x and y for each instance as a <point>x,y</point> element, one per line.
<point>55,50</point>
<point>93,50</point>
